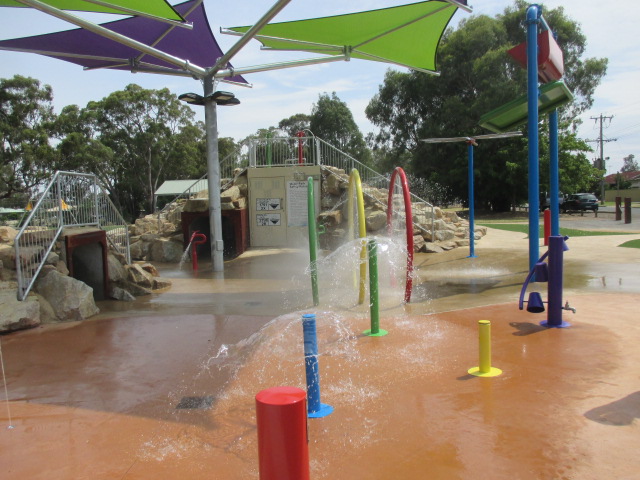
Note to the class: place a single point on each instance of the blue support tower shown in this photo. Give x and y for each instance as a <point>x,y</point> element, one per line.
<point>532,20</point>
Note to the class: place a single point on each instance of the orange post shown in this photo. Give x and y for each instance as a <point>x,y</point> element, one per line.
<point>283,452</point>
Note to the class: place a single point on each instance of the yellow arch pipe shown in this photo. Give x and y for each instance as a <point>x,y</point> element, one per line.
<point>356,184</point>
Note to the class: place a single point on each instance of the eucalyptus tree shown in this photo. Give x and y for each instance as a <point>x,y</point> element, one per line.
<point>477,76</point>
<point>27,126</point>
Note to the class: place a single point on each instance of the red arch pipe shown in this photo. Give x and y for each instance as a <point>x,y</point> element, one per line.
<point>398,171</point>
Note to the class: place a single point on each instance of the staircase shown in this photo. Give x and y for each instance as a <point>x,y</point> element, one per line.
<point>70,200</point>
<point>289,151</point>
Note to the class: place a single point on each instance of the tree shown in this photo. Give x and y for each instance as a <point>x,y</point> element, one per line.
<point>294,124</point>
<point>332,121</point>
<point>630,164</point>
<point>26,128</point>
<point>134,139</point>
<point>477,77</point>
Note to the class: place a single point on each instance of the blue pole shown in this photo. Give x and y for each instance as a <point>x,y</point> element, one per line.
<point>315,409</point>
<point>554,287</point>
<point>554,173</point>
<point>471,201</point>
<point>533,18</point>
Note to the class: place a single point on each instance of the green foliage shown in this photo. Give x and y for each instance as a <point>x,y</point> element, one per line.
<point>26,127</point>
<point>630,164</point>
<point>570,232</point>
<point>332,121</point>
<point>133,139</point>
<point>294,124</point>
<point>478,76</point>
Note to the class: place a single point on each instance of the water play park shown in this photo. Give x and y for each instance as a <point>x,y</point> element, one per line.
<point>294,314</point>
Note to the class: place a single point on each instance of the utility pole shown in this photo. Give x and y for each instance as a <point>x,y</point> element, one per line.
<point>601,141</point>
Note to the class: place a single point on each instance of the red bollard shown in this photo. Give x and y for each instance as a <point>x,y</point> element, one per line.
<point>547,226</point>
<point>283,450</point>
<point>300,135</point>
<point>196,239</point>
<point>627,209</point>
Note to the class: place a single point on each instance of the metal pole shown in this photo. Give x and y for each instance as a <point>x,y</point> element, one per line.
<point>105,32</point>
<point>313,241</point>
<point>554,287</point>
<point>554,175</point>
<point>213,177</point>
<point>472,253</point>
<point>315,408</point>
<point>533,15</point>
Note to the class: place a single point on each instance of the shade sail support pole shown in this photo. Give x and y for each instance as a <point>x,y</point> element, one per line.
<point>251,33</point>
<point>279,66</point>
<point>213,176</point>
<point>136,13</point>
<point>116,37</point>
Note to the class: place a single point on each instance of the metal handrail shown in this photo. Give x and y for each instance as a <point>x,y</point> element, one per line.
<point>71,199</point>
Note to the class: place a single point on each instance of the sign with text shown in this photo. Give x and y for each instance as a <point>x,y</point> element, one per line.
<point>268,219</point>
<point>297,211</point>
<point>263,204</point>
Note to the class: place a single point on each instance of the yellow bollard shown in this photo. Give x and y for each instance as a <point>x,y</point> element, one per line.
<point>485,369</point>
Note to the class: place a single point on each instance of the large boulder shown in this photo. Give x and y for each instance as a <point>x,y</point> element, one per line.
<point>165,251</point>
<point>195,205</point>
<point>7,234</point>
<point>17,315</point>
<point>137,274</point>
<point>375,220</point>
<point>71,299</point>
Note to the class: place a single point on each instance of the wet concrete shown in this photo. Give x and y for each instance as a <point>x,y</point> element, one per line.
<point>99,399</point>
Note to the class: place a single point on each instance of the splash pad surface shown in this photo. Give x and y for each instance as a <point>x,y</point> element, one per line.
<point>98,399</point>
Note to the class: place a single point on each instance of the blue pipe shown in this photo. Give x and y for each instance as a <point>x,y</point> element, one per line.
<point>471,202</point>
<point>554,287</point>
<point>315,409</point>
<point>533,18</point>
<point>554,169</point>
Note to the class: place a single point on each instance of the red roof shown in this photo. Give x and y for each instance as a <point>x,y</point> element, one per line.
<point>630,176</point>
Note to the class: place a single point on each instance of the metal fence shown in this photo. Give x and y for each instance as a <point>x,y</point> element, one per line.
<point>290,151</point>
<point>70,200</point>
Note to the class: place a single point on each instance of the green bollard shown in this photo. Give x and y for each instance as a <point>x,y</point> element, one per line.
<point>375,330</point>
<point>313,242</point>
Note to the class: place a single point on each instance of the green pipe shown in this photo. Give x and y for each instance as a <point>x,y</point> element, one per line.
<point>313,241</point>
<point>374,305</point>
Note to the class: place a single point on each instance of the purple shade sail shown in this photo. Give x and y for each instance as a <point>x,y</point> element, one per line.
<point>197,46</point>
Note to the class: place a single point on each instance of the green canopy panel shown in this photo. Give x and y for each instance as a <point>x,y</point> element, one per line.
<point>406,35</point>
<point>551,96</point>
<point>153,8</point>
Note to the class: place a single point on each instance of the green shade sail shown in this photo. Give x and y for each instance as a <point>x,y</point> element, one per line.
<point>152,8</point>
<point>406,35</point>
<point>551,96</point>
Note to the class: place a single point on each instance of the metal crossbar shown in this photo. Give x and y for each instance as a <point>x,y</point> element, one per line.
<point>70,200</point>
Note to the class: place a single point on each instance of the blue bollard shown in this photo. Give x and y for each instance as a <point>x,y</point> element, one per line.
<point>315,409</point>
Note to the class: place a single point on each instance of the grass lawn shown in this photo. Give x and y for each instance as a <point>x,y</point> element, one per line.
<point>631,244</point>
<point>524,228</point>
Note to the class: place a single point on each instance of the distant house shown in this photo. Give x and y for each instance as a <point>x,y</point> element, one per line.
<point>633,177</point>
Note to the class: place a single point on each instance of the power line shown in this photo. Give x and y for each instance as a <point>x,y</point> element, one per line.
<point>601,140</point>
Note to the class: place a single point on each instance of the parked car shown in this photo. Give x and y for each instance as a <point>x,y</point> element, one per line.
<point>545,200</point>
<point>580,202</point>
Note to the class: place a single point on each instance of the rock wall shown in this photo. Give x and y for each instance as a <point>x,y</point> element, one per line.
<point>432,232</point>
<point>57,297</point>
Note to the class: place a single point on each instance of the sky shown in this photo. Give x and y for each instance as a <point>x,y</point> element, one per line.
<point>611,32</point>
